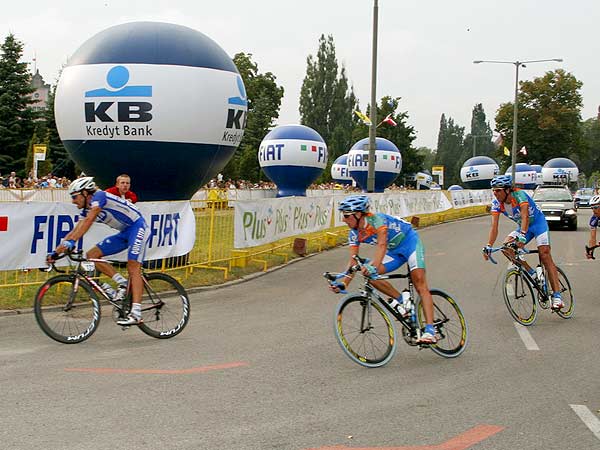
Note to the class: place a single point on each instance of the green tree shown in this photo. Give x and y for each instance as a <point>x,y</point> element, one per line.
<point>264,101</point>
<point>450,149</point>
<point>479,140</point>
<point>62,164</point>
<point>16,115</point>
<point>549,118</point>
<point>591,138</point>
<point>327,101</point>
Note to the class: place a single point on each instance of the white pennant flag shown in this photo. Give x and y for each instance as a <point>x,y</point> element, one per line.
<point>523,150</point>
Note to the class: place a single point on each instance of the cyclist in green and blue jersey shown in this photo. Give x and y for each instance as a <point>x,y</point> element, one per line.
<point>396,243</point>
<point>520,207</point>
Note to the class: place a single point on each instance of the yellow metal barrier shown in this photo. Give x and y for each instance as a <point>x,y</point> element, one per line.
<point>213,258</point>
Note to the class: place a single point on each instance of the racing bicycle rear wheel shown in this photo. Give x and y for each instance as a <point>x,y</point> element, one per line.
<point>365,331</point>
<point>449,323</point>
<point>165,306</point>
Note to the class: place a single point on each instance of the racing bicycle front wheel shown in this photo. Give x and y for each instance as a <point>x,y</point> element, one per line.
<point>365,331</point>
<point>449,323</point>
<point>66,311</point>
<point>519,298</point>
<point>165,306</point>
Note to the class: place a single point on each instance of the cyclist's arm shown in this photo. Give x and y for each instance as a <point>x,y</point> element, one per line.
<point>381,249</point>
<point>493,230</point>
<point>524,207</point>
<point>353,252</point>
<point>493,233</point>
<point>81,228</point>
<point>593,240</point>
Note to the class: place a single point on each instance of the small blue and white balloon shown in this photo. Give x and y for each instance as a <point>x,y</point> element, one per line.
<point>455,187</point>
<point>388,163</point>
<point>560,170</point>
<point>161,102</point>
<point>525,176</point>
<point>477,172</point>
<point>293,157</point>
<point>339,170</point>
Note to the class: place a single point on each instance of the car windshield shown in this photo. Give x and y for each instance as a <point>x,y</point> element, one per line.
<point>552,195</point>
<point>586,192</point>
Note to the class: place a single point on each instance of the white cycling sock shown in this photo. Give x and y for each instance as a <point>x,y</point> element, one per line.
<point>136,309</point>
<point>119,279</point>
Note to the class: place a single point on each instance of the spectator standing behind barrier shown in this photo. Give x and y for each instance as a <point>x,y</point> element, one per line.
<point>122,188</point>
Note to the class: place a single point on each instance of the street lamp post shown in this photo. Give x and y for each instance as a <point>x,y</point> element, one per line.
<point>373,127</point>
<point>517,64</point>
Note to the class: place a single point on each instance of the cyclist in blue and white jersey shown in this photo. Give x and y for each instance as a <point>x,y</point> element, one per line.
<point>594,222</point>
<point>396,243</point>
<point>521,208</point>
<point>102,207</point>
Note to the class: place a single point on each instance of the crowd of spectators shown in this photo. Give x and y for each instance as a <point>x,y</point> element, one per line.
<point>220,183</point>
<point>49,181</point>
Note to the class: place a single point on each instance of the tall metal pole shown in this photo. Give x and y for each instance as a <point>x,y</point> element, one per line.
<point>515,121</point>
<point>373,115</point>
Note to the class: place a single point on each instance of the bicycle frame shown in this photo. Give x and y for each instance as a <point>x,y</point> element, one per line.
<point>370,292</point>
<point>79,273</point>
<point>519,253</point>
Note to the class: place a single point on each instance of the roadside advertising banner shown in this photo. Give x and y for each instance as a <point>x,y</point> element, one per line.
<point>263,221</point>
<point>31,230</point>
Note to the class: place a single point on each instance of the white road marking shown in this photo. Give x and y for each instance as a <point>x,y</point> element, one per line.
<point>591,421</point>
<point>526,337</point>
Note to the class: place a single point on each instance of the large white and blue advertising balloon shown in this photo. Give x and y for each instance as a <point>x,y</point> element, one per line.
<point>560,170</point>
<point>339,170</point>
<point>292,156</point>
<point>388,163</point>
<point>478,171</point>
<point>525,176</point>
<point>161,102</point>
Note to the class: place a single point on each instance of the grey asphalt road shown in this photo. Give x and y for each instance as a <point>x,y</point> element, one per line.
<point>258,367</point>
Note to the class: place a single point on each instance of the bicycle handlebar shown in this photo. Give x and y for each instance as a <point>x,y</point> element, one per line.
<point>510,246</point>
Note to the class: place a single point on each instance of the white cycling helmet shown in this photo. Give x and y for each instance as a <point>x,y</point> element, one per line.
<point>595,200</point>
<point>82,184</point>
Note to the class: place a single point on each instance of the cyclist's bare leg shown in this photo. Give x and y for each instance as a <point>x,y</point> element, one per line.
<point>548,262</point>
<point>419,280</point>
<point>510,254</point>
<point>134,268</point>
<point>106,268</point>
<point>384,286</point>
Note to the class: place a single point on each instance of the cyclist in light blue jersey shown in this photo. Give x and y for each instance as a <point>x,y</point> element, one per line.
<point>521,208</point>
<point>102,207</point>
<point>594,222</point>
<point>396,243</point>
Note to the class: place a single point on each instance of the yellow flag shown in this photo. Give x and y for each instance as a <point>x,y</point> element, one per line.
<point>363,117</point>
<point>506,151</point>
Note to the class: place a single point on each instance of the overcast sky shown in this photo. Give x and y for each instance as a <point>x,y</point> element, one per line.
<point>426,47</point>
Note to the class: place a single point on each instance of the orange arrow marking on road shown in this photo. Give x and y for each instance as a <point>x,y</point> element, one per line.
<point>159,371</point>
<point>461,442</point>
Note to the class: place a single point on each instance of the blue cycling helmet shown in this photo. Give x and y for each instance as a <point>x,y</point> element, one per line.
<point>355,203</point>
<point>501,181</point>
